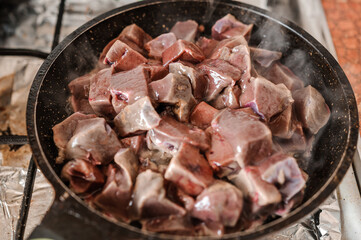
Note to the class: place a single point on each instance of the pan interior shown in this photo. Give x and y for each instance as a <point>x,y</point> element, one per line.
<point>81,55</point>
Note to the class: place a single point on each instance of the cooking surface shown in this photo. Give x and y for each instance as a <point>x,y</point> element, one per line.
<point>40,37</point>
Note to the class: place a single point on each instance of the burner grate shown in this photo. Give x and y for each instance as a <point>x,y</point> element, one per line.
<point>9,139</point>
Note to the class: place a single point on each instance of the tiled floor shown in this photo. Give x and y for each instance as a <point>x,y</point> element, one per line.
<point>344,20</point>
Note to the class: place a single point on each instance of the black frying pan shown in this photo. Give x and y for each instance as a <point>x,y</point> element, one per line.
<point>71,218</point>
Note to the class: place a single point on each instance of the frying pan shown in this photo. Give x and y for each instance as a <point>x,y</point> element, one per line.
<point>71,218</point>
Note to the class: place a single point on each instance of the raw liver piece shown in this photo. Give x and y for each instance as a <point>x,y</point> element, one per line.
<point>279,73</point>
<point>196,77</point>
<point>157,46</point>
<point>170,134</point>
<point>186,30</point>
<point>207,45</point>
<point>263,196</point>
<point>297,143</point>
<point>155,69</point>
<point>116,193</point>
<point>251,140</point>
<point>131,35</point>
<point>264,57</point>
<point>122,57</point>
<point>138,117</point>
<point>169,224</point>
<point>127,163</point>
<point>239,57</point>
<point>227,43</point>
<point>129,86</point>
<point>62,132</point>
<point>83,176</point>
<point>100,98</point>
<point>220,75</point>
<point>220,203</point>
<point>229,26</point>
<point>182,50</point>
<point>311,108</point>
<point>221,156</point>
<point>228,98</point>
<point>202,115</point>
<point>213,229</point>
<point>189,170</point>
<point>283,125</point>
<point>282,170</point>
<point>265,98</point>
<point>176,90</point>
<point>93,140</point>
<point>135,34</point>
<point>149,199</point>
<point>135,143</point>
<point>79,89</point>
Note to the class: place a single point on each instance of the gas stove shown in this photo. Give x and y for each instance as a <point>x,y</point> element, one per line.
<point>33,28</point>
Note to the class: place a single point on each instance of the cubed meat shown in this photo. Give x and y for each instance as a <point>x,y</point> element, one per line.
<point>170,134</point>
<point>174,89</point>
<point>138,117</point>
<point>196,77</point>
<point>212,229</point>
<point>221,156</point>
<point>189,170</point>
<point>286,207</point>
<point>297,143</point>
<point>79,89</point>
<point>186,30</point>
<point>264,97</point>
<point>264,57</point>
<point>279,73</point>
<point>93,140</point>
<point>149,199</point>
<point>186,200</point>
<point>220,74</point>
<point>155,69</point>
<point>229,97</point>
<point>262,195</point>
<point>311,108</point>
<point>202,115</point>
<point>83,176</point>
<point>251,139</point>
<point>182,50</point>
<point>122,57</point>
<point>101,61</point>
<point>229,26</point>
<point>129,86</point>
<point>116,193</point>
<point>154,159</point>
<point>62,132</point>
<point>282,125</point>
<point>227,43</point>
<point>282,170</point>
<point>207,45</point>
<point>169,224</point>
<point>220,203</point>
<point>157,46</point>
<point>133,33</point>
<point>239,57</point>
<point>127,163</point>
<point>100,98</point>
<point>135,143</point>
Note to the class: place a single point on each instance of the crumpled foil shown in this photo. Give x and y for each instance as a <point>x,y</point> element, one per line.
<point>35,31</point>
<point>12,182</point>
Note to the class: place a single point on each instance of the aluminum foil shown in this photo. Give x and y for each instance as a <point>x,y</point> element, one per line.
<point>12,182</point>
<point>36,31</point>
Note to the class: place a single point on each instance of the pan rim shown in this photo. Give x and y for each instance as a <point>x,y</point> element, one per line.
<point>301,211</point>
